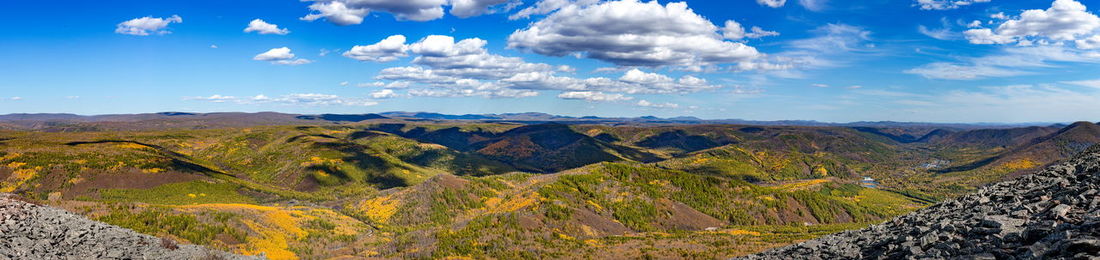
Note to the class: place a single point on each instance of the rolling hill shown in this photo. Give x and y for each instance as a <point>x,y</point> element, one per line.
<point>329,186</point>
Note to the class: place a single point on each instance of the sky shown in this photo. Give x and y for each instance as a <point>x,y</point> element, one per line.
<point>826,60</point>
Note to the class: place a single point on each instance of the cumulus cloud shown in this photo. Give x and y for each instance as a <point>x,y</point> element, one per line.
<point>946,4</point>
<point>633,81</point>
<point>383,94</point>
<point>308,99</point>
<point>148,25</point>
<point>470,8</point>
<point>349,12</point>
<point>651,35</point>
<point>772,3</point>
<point>1065,21</point>
<point>733,31</point>
<point>646,103</point>
<point>281,56</point>
<point>262,27</point>
<point>443,59</point>
<point>548,6</point>
<point>389,49</point>
<point>1089,43</point>
<point>593,96</point>
<point>446,68</point>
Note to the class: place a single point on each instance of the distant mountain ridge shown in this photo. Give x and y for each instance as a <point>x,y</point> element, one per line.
<point>38,121</point>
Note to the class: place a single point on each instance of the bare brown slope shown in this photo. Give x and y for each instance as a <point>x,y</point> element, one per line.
<point>1065,143</point>
<point>1048,215</point>
<point>991,138</point>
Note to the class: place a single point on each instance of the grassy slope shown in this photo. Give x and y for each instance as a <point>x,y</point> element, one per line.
<point>329,191</point>
<point>609,206</point>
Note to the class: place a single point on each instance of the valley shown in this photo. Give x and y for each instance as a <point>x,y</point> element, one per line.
<point>403,185</point>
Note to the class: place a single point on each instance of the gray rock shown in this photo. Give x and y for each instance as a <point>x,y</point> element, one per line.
<point>29,231</point>
<point>1053,214</point>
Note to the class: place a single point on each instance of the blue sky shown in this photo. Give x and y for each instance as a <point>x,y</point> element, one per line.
<point>828,60</point>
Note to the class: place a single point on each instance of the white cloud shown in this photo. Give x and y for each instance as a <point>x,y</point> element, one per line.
<point>757,32</point>
<point>548,6</point>
<point>946,4</point>
<point>383,94</point>
<point>214,98</point>
<point>939,34</point>
<point>1064,21</point>
<point>281,56</point>
<point>315,100</point>
<point>1010,62</point>
<point>832,46</point>
<point>652,35</point>
<point>813,5</point>
<point>593,96</point>
<point>1085,83</point>
<point>213,46</point>
<point>986,36</point>
<point>282,53</point>
<point>349,12</point>
<point>955,71</point>
<point>772,3</point>
<point>469,8</point>
<point>1018,103</point>
<point>262,27</point>
<point>633,81</point>
<point>389,49</point>
<point>819,85</point>
<point>309,99</point>
<point>470,88</point>
<point>733,31</point>
<point>1089,43</point>
<point>465,68</point>
<point>834,38</point>
<point>379,84</point>
<point>646,103</point>
<point>443,59</point>
<point>147,25</point>
<point>445,46</point>
<point>15,98</point>
<point>376,84</point>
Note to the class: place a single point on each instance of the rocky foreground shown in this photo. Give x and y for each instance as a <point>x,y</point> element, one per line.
<point>29,231</point>
<point>1053,214</point>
